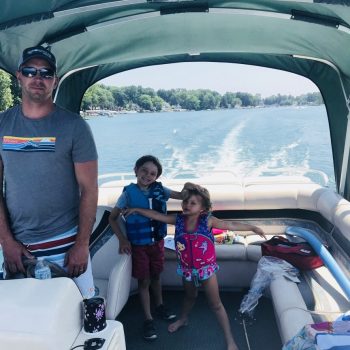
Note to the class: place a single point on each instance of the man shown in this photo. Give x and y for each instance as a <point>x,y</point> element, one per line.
<point>48,164</point>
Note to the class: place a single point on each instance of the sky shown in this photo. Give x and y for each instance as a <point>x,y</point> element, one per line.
<point>221,77</point>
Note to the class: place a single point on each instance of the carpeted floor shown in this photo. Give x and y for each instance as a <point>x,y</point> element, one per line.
<point>203,331</point>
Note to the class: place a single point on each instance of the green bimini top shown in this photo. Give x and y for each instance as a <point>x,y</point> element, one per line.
<point>94,39</point>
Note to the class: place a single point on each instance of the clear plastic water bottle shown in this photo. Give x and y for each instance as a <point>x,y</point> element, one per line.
<point>42,270</point>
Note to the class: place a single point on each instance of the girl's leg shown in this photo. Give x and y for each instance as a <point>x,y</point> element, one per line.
<point>211,289</point>
<point>143,289</point>
<point>189,300</point>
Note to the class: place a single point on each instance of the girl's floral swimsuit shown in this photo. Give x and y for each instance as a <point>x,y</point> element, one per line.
<point>196,250</point>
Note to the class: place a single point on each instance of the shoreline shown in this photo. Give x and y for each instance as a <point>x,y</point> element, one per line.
<point>111,113</point>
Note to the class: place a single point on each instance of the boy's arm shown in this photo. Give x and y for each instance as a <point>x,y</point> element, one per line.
<point>232,226</point>
<point>151,214</point>
<point>124,244</point>
<point>175,194</point>
<point>179,195</point>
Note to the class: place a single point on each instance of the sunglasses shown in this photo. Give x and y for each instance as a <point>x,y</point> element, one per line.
<point>45,73</point>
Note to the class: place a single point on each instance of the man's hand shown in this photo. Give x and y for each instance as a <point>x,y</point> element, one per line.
<point>13,252</point>
<point>76,260</point>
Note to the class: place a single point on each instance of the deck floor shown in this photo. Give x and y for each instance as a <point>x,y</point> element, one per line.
<point>203,331</point>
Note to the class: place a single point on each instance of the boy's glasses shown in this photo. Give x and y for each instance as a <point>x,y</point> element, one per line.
<point>45,73</point>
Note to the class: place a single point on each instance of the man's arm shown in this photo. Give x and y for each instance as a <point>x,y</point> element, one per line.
<point>12,249</point>
<point>77,256</point>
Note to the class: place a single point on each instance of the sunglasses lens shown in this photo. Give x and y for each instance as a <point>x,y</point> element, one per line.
<point>30,72</point>
<point>46,73</point>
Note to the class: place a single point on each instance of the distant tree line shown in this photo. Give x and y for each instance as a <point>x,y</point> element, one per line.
<point>147,99</point>
<point>139,98</point>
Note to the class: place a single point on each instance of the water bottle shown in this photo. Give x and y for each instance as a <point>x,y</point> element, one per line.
<point>42,270</point>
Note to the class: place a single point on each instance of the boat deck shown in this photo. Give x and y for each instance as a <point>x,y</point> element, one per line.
<point>203,331</point>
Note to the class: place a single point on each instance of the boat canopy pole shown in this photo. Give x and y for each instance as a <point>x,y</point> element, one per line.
<point>324,254</point>
<point>344,168</point>
<point>345,163</point>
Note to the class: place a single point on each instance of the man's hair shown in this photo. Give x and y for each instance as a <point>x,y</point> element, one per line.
<point>198,191</point>
<point>149,158</point>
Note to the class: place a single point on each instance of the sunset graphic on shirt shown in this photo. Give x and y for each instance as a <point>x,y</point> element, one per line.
<point>29,144</point>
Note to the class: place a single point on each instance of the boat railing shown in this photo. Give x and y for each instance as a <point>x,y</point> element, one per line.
<point>316,176</point>
<point>113,179</point>
<point>226,176</point>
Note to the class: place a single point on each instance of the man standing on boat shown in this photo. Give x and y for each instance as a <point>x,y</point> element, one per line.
<point>48,167</point>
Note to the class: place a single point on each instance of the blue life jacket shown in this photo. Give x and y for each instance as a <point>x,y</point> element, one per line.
<point>142,230</point>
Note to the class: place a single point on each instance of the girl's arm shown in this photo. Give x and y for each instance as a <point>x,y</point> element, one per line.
<point>151,214</point>
<point>234,226</point>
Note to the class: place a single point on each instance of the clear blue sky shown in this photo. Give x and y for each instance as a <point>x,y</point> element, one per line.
<point>221,77</point>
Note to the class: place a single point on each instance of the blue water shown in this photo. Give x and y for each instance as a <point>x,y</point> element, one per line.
<point>246,141</point>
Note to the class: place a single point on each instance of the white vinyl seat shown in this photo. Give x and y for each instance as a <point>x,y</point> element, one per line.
<point>112,276</point>
<point>39,314</point>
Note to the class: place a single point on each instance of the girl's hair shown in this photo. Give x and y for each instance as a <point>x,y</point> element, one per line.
<point>149,158</point>
<point>197,190</point>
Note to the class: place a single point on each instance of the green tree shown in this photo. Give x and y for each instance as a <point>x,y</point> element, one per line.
<point>191,102</point>
<point>208,99</point>
<point>120,98</point>
<point>158,103</point>
<point>227,100</point>
<point>145,102</point>
<point>132,92</point>
<point>6,98</point>
<point>16,90</point>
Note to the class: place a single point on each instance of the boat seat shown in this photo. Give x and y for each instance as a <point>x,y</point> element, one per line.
<point>48,315</point>
<point>289,307</point>
<point>112,275</point>
<point>39,314</point>
<point>318,298</point>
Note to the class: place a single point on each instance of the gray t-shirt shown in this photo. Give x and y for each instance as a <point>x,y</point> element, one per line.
<point>41,190</point>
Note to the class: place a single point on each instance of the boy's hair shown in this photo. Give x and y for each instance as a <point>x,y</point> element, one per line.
<point>149,158</point>
<point>198,191</point>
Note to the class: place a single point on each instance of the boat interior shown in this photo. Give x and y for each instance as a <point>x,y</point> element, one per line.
<point>94,39</point>
<point>278,205</point>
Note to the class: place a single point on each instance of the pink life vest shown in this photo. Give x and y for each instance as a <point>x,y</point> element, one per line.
<point>194,250</point>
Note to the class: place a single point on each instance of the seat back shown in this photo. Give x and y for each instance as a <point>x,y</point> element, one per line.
<point>39,314</point>
<point>112,274</point>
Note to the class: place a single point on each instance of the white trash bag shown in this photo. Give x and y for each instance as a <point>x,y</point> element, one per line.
<point>268,269</point>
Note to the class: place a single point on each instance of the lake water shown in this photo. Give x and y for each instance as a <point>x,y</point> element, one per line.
<point>245,141</point>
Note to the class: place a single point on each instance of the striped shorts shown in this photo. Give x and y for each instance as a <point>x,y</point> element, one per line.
<point>55,250</point>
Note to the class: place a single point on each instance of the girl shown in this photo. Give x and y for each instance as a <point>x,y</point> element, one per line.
<point>195,250</point>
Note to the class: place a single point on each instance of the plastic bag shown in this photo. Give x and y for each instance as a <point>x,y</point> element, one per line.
<point>268,269</point>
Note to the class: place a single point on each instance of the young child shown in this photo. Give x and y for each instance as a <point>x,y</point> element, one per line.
<point>195,250</point>
<point>144,239</point>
